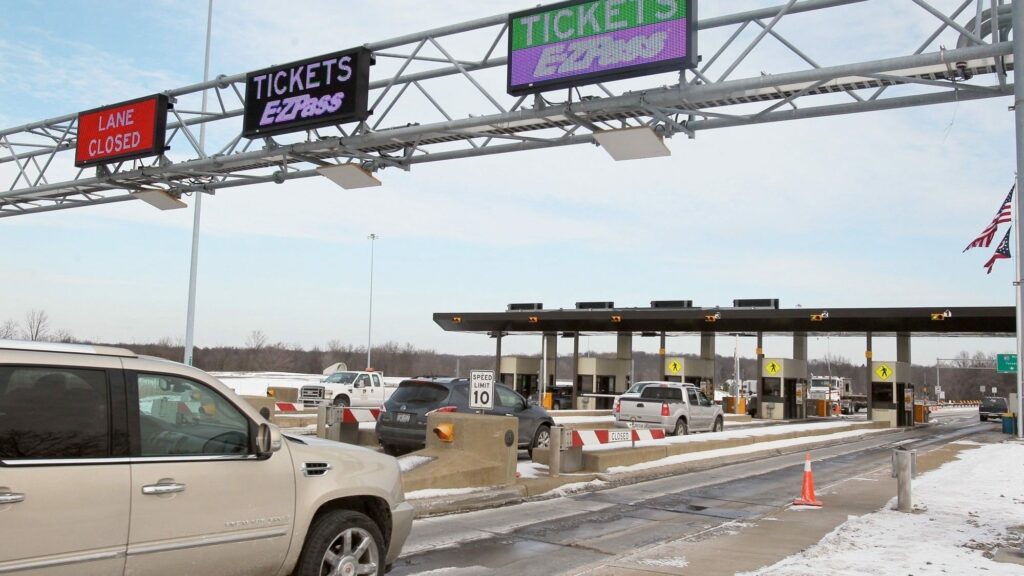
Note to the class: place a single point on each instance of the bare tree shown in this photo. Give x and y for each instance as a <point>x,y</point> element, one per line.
<point>9,330</point>
<point>257,340</point>
<point>37,325</point>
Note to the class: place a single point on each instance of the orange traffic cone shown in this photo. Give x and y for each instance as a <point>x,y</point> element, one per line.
<point>807,497</point>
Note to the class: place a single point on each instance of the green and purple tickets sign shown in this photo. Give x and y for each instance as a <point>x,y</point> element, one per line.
<point>587,41</point>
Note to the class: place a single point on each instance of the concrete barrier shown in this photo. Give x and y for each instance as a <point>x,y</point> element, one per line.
<point>484,452</point>
<point>283,394</point>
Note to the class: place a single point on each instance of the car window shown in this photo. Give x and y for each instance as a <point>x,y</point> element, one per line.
<point>341,378</point>
<point>659,393</point>
<point>376,379</point>
<point>509,399</point>
<point>704,400</point>
<point>53,413</point>
<point>693,399</point>
<point>419,393</point>
<point>180,417</point>
<point>362,380</point>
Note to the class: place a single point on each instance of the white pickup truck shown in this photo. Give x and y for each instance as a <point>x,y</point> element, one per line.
<point>348,388</point>
<point>676,408</point>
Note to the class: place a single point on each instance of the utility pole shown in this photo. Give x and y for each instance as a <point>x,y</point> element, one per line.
<point>1018,112</point>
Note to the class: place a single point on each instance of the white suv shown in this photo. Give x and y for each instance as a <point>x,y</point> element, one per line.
<point>113,463</point>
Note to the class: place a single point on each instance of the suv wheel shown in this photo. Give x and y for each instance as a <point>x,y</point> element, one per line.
<point>541,438</point>
<point>342,542</point>
<point>341,401</point>
<point>681,428</point>
<point>719,425</point>
<point>984,418</point>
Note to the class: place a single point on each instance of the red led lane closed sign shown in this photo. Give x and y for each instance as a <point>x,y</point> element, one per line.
<point>320,91</point>
<point>123,131</point>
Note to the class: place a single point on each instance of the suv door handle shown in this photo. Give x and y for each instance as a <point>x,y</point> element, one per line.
<point>11,497</point>
<point>163,488</point>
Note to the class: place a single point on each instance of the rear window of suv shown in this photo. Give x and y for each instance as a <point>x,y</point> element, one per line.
<point>659,393</point>
<point>994,404</point>
<point>419,393</point>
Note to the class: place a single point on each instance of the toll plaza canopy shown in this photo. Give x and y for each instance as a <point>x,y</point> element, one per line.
<point>993,321</point>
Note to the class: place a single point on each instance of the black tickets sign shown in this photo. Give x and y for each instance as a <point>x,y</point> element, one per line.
<point>329,89</point>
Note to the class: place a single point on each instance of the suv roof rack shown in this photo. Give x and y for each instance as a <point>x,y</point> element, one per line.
<point>66,348</point>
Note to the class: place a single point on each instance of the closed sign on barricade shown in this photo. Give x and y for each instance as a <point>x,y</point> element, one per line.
<point>595,437</point>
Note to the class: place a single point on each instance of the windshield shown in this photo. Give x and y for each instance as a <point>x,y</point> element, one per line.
<point>342,377</point>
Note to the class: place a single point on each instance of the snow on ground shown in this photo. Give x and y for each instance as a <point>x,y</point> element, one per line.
<point>575,488</point>
<point>707,454</point>
<point>530,469</point>
<point>744,433</point>
<point>559,419</point>
<point>964,512</point>
<point>441,492</point>
<point>407,463</point>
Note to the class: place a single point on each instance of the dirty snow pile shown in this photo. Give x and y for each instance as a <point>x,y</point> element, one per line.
<point>965,512</point>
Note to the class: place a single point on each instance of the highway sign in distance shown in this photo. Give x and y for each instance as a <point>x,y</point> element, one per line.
<point>481,390</point>
<point>1006,363</point>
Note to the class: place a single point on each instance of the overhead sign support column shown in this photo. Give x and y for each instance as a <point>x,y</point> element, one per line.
<point>1018,102</point>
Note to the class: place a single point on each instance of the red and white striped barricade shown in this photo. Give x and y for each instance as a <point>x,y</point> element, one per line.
<point>581,438</point>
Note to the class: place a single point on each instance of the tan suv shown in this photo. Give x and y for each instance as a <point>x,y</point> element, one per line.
<point>113,463</point>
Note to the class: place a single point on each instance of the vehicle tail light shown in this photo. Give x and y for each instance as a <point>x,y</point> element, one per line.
<point>618,407</point>
<point>664,408</point>
<point>443,409</point>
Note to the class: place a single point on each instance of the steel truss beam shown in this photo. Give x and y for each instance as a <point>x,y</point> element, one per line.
<point>38,156</point>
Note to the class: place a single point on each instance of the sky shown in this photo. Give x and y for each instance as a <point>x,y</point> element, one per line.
<point>859,210</point>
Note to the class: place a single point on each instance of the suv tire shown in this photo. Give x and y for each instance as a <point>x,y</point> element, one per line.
<point>681,428</point>
<point>541,438</point>
<point>341,401</point>
<point>325,545</point>
<point>984,418</point>
<point>719,425</point>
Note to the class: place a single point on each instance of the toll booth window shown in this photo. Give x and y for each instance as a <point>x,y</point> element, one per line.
<point>881,396</point>
<point>771,387</point>
<point>53,413</point>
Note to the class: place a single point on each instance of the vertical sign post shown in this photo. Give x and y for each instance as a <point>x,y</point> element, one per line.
<point>481,390</point>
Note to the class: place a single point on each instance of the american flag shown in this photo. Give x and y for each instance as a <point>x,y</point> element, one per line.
<point>1002,251</point>
<point>984,239</point>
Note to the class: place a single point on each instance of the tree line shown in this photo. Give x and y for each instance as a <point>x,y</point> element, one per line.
<point>961,378</point>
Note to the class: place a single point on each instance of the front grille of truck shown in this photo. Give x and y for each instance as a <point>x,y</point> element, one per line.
<point>311,396</point>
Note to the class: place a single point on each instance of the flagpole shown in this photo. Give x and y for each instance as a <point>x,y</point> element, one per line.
<point>1018,107</point>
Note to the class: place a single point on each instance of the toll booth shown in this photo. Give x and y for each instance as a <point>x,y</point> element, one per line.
<point>599,380</point>
<point>783,389</point>
<point>697,371</point>
<point>520,374</point>
<point>892,393</point>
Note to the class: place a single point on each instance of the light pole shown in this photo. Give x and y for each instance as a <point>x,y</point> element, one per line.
<point>190,321</point>
<point>369,330</point>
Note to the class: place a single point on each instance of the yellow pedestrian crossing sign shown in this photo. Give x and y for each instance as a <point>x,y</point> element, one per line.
<point>674,367</point>
<point>884,372</point>
<point>773,367</point>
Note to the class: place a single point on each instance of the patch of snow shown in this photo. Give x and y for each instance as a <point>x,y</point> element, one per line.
<point>964,511</point>
<point>670,562</point>
<point>412,461</point>
<point>528,469</point>
<point>574,488</point>
<point>745,433</point>
<point>610,420</point>
<point>442,492</point>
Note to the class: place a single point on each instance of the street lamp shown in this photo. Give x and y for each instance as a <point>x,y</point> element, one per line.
<point>369,330</point>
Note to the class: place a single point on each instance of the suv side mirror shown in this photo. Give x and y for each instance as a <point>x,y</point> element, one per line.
<point>268,440</point>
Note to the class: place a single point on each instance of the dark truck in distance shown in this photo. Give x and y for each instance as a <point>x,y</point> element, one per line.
<point>674,407</point>
<point>992,407</point>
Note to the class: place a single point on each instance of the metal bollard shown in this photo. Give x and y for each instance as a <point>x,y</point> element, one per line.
<point>904,465</point>
<point>555,452</point>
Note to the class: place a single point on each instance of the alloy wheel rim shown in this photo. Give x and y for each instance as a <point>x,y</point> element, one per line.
<point>351,553</point>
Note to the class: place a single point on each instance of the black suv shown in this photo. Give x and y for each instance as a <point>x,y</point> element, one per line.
<point>402,425</point>
<point>992,407</point>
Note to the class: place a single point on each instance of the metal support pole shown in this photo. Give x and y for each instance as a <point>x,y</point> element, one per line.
<point>369,328</point>
<point>904,472</point>
<point>661,357</point>
<point>497,358</point>
<point>190,321</point>
<point>575,367</point>
<point>555,452</point>
<point>760,372</point>
<point>1018,107</point>
<point>867,369</point>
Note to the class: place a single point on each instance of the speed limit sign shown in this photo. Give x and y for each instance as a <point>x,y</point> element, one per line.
<point>481,390</point>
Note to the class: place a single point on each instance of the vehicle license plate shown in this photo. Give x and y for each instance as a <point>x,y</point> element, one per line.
<point>640,425</point>
<point>403,417</point>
